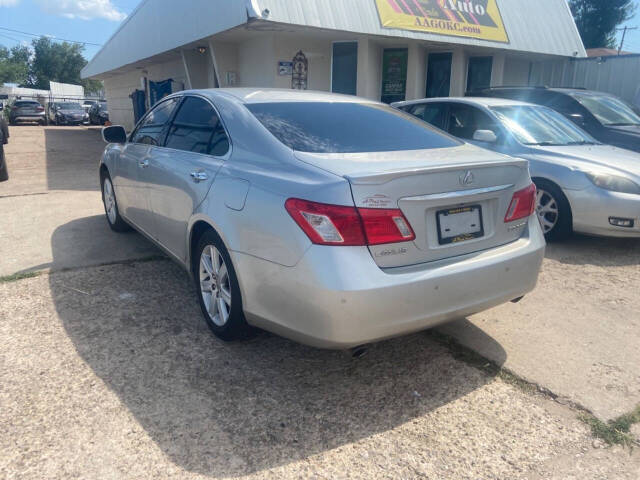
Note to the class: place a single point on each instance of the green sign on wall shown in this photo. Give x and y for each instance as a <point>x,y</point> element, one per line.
<point>394,74</point>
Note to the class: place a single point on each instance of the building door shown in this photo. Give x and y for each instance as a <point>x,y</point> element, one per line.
<point>394,74</point>
<point>479,73</point>
<point>439,75</point>
<point>344,67</point>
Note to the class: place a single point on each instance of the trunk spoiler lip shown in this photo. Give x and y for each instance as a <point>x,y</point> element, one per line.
<point>378,178</point>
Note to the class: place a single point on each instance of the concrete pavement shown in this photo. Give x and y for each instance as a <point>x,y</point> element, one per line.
<point>578,333</point>
<point>54,182</point>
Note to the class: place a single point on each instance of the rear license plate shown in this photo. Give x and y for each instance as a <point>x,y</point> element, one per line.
<point>459,224</point>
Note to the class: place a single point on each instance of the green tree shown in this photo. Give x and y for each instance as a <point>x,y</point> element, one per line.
<point>57,62</point>
<point>14,65</point>
<point>45,61</point>
<point>597,20</point>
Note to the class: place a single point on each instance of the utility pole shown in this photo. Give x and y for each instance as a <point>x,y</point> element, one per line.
<point>624,34</point>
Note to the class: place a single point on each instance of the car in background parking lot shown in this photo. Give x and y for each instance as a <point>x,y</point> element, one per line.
<point>66,113</point>
<point>330,219</point>
<point>98,113</point>
<point>605,117</point>
<point>27,111</point>
<point>582,184</point>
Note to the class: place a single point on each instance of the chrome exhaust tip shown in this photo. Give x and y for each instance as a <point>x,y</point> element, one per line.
<point>359,351</point>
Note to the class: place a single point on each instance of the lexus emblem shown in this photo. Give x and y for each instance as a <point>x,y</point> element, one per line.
<point>466,178</point>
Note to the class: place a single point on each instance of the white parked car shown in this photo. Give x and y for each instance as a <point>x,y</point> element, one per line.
<point>583,185</point>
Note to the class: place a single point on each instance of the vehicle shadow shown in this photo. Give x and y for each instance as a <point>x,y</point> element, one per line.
<point>231,409</point>
<point>73,155</point>
<point>600,251</point>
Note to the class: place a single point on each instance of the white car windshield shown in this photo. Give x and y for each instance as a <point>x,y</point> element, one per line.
<point>69,106</point>
<point>535,125</point>
<point>608,110</point>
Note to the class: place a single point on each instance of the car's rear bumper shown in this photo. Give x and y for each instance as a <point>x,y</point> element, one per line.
<point>337,297</point>
<point>593,207</point>
<point>27,118</point>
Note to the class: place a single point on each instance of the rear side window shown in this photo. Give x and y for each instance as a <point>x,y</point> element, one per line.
<point>432,113</point>
<point>197,128</point>
<point>344,127</point>
<point>152,127</point>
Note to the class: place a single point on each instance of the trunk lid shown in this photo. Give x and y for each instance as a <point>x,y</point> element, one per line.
<point>445,195</point>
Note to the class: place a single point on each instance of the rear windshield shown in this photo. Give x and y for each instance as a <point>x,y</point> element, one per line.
<point>27,104</point>
<point>325,127</point>
<point>69,106</point>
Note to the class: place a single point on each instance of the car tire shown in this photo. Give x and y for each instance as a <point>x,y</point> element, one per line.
<point>4,172</point>
<point>116,222</point>
<point>553,210</point>
<point>218,290</point>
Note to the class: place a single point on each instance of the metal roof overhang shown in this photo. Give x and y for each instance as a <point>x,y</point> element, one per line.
<point>543,27</point>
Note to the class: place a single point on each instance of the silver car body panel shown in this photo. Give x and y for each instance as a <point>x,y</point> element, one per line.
<point>566,166</point>
<point>326,295</point>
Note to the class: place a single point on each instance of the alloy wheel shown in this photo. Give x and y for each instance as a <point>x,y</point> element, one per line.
<point>109,200</point>
<point>547,210</point>
<point>215,285</point>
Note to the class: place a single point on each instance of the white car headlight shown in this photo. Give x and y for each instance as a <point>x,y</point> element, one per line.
<point>614,183</point>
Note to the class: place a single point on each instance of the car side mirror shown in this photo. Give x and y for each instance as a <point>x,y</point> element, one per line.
<point>577,118</point>
<point>486,136</point>
<point>114,134</point>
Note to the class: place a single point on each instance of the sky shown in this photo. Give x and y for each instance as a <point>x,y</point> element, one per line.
<point>632,40</point>
<point>91,21</point>
<point>94,21</point>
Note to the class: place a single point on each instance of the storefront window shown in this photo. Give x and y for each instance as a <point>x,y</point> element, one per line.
<point>394,74</point>
<point>439,75</point>
<point>344,68</point>
<point>479,73</point>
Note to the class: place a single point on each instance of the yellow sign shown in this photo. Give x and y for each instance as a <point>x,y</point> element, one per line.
<point>462,18</point>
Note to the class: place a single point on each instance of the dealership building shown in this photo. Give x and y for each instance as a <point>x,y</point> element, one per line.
<point>385,50</point>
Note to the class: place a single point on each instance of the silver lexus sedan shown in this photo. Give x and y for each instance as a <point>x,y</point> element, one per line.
<point>329,219</point>
<point>583,185</point>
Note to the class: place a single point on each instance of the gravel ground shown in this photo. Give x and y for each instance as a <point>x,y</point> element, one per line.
<point>106,374</point>
<point>109,372</point>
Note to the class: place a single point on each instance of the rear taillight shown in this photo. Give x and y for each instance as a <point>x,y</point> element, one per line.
<point>39,109</point>
<point>339,225</point>
<point>385,226</point>
<point>522,205</point>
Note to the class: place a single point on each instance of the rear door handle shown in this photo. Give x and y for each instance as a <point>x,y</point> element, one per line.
<point>199,176</point>
<point>144,163</point>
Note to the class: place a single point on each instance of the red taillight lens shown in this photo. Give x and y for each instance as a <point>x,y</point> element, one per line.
<point>385,226</point>
<point>522,204</point>
<point>39,109</point>
<point>339,225</point>
<point>327,224</point>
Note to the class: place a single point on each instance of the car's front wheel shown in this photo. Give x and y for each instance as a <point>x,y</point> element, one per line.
<point>116,222</point>
<point>553,210</point>
<point>218,289</point>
